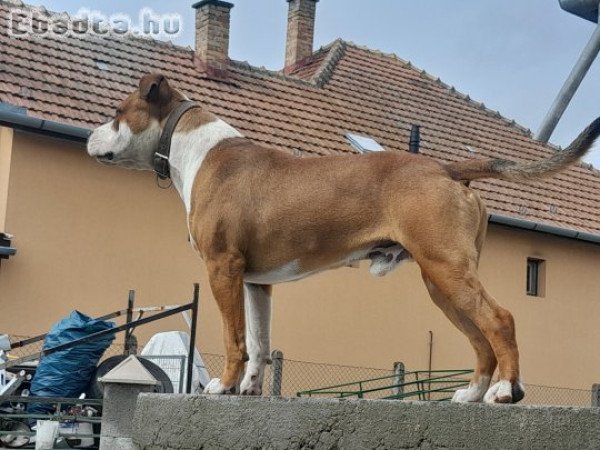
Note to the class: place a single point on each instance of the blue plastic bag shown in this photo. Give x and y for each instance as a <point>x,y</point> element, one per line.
<point>67,373</point>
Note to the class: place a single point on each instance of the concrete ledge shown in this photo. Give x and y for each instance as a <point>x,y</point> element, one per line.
<point>179,422</point>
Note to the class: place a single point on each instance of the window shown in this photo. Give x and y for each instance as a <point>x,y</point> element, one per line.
<point>364,144</point>
<point>535,277</point>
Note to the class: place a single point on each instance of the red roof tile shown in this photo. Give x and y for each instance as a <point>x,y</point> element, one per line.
<point>341,88</point>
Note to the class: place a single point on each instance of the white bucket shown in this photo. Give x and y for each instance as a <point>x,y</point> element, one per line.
<point>4,342</point>
<point>47,432</point>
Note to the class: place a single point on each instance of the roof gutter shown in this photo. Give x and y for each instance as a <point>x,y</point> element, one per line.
<point>5,252</point>
<point>19,120</point>
<point>543,228</point>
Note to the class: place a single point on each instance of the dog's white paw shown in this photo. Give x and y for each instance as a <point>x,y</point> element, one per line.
<point>505,392</point>
<point>474,393</point>
<point>215,387</point>
<point>251,384</point>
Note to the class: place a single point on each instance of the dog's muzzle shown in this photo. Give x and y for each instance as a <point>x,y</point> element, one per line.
<point>106,157</point>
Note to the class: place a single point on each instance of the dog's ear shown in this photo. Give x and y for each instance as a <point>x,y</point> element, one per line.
<point>155,88</point>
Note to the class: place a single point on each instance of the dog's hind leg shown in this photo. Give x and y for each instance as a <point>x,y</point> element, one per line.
<point>258,337</point>
<point>486,360</point>
<point>226,281</point>
<point>461,286</point>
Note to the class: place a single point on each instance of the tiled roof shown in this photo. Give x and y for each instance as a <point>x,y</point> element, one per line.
<point>342,88</point>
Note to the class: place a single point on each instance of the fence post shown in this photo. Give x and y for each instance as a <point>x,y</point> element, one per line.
<point>595,395</point>
<point>398,378</point>
<point>276,372</point>
<point>122,385</point>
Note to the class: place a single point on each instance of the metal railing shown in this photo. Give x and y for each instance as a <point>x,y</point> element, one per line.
<point>15,423</point>
<point>432,385</point>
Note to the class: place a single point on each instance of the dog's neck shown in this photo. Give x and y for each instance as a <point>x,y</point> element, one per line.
<point>188,150</point>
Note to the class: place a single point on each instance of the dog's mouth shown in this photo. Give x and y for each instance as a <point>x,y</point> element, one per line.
<point>106,158</point>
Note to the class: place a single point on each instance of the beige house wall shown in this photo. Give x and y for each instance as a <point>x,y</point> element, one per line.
<point>86,234</point>
<point>6,143</point>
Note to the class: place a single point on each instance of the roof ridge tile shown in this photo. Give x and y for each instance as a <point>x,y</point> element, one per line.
<point>337,50</point>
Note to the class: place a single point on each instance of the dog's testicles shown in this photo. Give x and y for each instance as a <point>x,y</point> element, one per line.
<point>386,259</point>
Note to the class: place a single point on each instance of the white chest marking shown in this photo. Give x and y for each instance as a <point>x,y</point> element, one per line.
<point>189,149</point>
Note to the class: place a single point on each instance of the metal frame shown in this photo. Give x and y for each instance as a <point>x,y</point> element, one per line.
<point>452,379</point>
<point>161,313</point>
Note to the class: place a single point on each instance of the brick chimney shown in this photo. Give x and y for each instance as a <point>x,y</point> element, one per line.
<point>212,36</point>
<point>300,32</point>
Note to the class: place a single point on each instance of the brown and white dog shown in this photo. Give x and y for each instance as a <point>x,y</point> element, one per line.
<point>260,216</point>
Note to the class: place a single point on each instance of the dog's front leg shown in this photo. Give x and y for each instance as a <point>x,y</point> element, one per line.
<point>226,281</point>
<point>258,337</point>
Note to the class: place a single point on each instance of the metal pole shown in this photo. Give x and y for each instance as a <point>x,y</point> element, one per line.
<point>276,372</point>
<point>399,372</point>
<point>595,395</point>
<point>589,54</point>
<point>128,319</point>
<point>190,365</point>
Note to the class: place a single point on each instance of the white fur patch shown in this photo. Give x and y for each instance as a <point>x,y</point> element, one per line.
<point>501,390</point>
<point>105,139</point>
<point>258,338</point>
<point>215,387</point>
<point>189,149</point>
<point>132,151</point>
<point>291,271</point>
<point>475,391</point>
<point>287,272</point>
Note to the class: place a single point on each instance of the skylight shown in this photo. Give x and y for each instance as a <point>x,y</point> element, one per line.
<point>364,144</point>
<point>102,65</point>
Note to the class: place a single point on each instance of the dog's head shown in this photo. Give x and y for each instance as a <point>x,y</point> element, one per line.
<point>132,137</point>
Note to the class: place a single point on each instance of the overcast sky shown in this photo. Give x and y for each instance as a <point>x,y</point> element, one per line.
<point>513,55</point>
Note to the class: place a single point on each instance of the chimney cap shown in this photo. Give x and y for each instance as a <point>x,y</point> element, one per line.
<point>293,0</point>
<point>202,3</point>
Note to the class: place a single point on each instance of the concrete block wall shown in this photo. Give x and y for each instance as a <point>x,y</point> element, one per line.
<point>169,422</point>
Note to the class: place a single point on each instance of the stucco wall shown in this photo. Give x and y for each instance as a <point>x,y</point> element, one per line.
<point>86,234</point>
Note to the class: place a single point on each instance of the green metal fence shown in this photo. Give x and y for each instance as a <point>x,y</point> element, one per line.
<point>432,385</point>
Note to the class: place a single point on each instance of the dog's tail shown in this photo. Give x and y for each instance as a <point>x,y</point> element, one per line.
<point>509,170</point>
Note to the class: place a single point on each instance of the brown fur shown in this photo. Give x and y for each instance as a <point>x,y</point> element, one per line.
<point>510,170</point>
<point>256,209</point>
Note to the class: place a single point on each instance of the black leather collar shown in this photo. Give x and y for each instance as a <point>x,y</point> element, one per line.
<point>161,157</point>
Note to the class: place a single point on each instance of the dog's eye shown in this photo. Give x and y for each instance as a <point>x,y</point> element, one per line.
<point>115,125</point>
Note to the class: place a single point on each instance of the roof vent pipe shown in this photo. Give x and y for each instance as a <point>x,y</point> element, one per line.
<point>415,139</point>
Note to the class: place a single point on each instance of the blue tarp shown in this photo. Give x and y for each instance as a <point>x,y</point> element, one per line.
<point>67,373</point>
